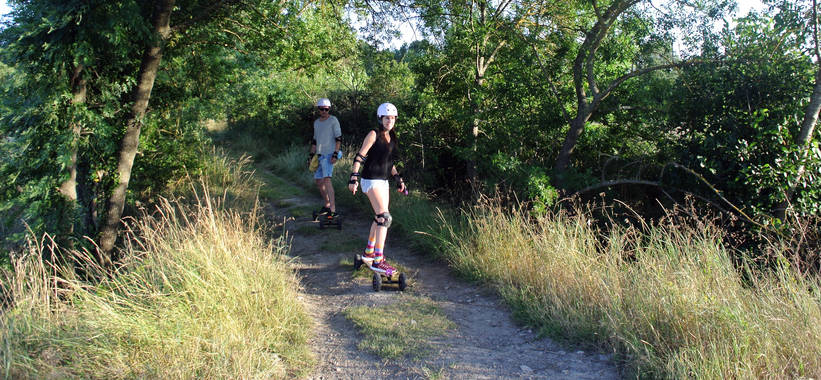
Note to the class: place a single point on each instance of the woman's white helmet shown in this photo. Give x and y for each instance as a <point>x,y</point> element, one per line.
<point>386,109</point>
<point>323,102</point>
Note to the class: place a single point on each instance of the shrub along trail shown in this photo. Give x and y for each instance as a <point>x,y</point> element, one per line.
<point>481,341</point>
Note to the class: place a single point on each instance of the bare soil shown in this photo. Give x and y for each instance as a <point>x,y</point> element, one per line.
<point>486,343</point>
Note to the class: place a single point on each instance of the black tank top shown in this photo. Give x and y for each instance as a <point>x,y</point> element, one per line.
<point>380,159</point>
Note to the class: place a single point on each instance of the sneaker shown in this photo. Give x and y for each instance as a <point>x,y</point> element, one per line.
<point>324,210</point>
<point>332,214</point>
<point>384,266</point>
<point>368,256</point>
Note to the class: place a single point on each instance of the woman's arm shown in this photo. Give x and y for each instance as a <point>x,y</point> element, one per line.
<point>370,138</point>
<point>400,183</point>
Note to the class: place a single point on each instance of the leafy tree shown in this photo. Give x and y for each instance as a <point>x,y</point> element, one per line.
<point>619,43</point>
<point>476,34</point>
<point>190,49</point>
<point>738,117</point>
<point>807,152</point>
<point>149,66</point>
<point>55,49</point>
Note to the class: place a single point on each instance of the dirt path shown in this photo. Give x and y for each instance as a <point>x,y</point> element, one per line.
<point>486,344</point>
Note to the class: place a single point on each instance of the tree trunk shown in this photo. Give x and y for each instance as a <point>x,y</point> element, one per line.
<point>472,172</point>
<point>576,130</point>
<point>69,187</point>
<point>583,71</point>
<point>803,140</point>
<point>78,96</point>
<point>128,146</point>
<point>476,99</point>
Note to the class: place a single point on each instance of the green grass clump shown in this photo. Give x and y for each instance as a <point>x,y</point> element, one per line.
<point>669,300</point>
<point>202,293</point>
<point>278,189</point>
<point>231,179</point>
<point>345,243</point>
<point>401,329</point>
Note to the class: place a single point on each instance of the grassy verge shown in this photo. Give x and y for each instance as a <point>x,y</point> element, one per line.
<point>669,300</point>
<point>205,294</point>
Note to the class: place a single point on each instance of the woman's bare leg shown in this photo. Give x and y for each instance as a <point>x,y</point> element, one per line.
<point>379,198</point>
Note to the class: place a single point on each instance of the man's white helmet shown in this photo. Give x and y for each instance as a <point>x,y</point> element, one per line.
<point>323,102</point>
<point>385,109</point>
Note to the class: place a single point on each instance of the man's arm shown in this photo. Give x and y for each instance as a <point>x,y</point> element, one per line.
<point>337,137</point>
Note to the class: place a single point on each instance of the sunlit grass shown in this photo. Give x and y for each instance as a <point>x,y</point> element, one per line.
<point>232,181</point>
<point>278,189</point>
<point>203,293</point>
<point>669,300</point>
<point>401,329</point>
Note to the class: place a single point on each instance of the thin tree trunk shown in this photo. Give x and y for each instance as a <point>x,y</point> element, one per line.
<point>78,96</point>
<point>476,99</point>
<point>69,187</point>
<point>808,124</point>
<point>474,136</point>
<point>803,140</point>
<point>576,130</point>
<point>128,146</point>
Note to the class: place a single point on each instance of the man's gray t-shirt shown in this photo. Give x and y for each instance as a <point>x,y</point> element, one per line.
<point>325,134</point>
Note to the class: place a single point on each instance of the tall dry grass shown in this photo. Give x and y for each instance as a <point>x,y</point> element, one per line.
<point>667,299</point>
<point>205,293</point>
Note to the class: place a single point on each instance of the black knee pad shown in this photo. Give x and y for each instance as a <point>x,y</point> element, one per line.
<point>386,219</point>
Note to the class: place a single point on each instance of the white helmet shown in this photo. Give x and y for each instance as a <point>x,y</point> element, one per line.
<point>385,109</point>
<point>323,102</point>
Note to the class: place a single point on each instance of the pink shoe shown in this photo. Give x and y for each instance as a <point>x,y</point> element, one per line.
<point>383,266</point>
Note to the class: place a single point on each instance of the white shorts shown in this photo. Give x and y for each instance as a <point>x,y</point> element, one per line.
<point>368,184</point>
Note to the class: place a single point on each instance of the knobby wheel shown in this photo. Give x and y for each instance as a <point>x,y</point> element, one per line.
<point>377,282</point>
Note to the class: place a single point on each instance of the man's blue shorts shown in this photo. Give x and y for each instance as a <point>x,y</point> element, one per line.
<point>325,169</point>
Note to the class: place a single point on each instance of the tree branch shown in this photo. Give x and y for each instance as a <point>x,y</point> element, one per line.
<point>612,14</point>
<point>718,193</point>
<point>815,31</point>
<point>552,85</point>
<point>616,83</point>
<point>205,14</point>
